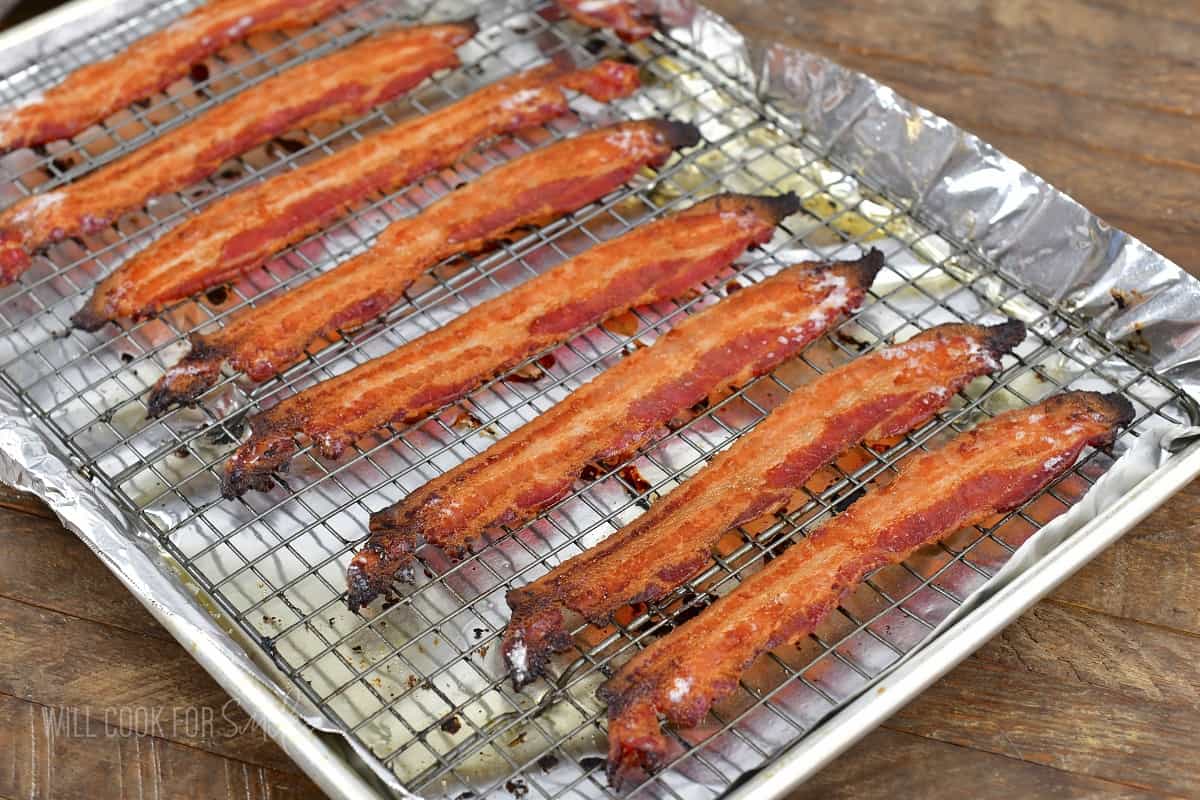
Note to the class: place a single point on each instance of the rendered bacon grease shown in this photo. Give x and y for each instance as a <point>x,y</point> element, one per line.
<point>877,396</point>
<point>745,335</point>
<point>93,92</point>
<point>535,188</point>
<point>343,84</point>
<point>244,230</point>
<point>990,470</point>
<point>652,263</point>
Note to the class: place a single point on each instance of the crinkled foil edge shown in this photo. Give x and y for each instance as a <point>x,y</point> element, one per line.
<point>968,190</point>
<point>949,178</point>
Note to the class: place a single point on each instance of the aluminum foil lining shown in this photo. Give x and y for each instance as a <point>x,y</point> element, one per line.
<point>944,177</point>
<point>966,188</point>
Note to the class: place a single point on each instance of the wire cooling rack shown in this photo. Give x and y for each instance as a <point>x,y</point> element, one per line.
<point>418,682</point>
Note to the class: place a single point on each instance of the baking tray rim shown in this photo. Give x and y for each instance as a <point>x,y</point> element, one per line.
<point>934,658</point>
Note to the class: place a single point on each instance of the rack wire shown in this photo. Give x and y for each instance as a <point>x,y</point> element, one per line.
<point>419,682</point>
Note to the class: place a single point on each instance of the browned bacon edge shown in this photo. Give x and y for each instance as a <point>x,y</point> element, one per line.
<point>746,334</point>
<point>652,263</point>
<point>884,394</point>
<point>343,84</point>
<point>623,17</point>
<point>990,470</point>
<point>244,230</point>
<point>537,187</point>
<point>93,92</point>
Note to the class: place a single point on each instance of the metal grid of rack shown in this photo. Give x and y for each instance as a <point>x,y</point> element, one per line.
<point>419,681</point>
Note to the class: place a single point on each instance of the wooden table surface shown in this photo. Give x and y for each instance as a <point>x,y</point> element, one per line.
<point>1095,692</point>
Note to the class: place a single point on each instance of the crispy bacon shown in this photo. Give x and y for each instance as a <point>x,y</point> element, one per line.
<point>654,262</point>
<point>93,92</point>
<point>537,187</point>
<point>747,334</point>
<point>623,17</point>
<point>884,394</point>
<point>244,230</point>
<point>343,84</point>
<point>989,470</point>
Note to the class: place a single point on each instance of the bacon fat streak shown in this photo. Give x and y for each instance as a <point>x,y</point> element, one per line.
<point>244,230</point>
<point>535,188</point>
<point>746,334</point>
<point>623,17</point>
<point>652,263</point>
<point>93,92</point>
<point>990,470</point>
<point>877,396</point>
<point>343,84</point>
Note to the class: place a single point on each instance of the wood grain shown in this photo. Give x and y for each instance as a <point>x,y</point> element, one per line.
<point>47,753</point>
<point>1137,53</point>
<point>1093,693</point>
<point>1071,89</point>
<point>1092,696</point>
<point>16,500</point>
<point>1152,575</point>
<point>38,552</point>
<point>58,660</point>
<point>893,764</point>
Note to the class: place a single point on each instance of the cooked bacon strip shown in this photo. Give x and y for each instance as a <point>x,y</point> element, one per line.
<point>747,334</point>
<point>623,17</point>
<point>534,188</point>
<point>244,230</point>
<point>343,84</point>
<point>884,394</point>
<point>653,262</point>
<point>93,92</point>
<point>989,470</point>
